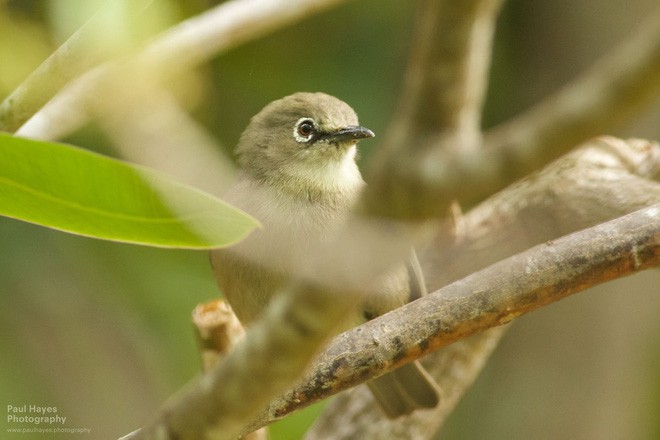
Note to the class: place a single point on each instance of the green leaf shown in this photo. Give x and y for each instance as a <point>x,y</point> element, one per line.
<point>74,190</point>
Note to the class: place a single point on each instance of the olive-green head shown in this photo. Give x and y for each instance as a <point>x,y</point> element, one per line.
<point>302,137</point>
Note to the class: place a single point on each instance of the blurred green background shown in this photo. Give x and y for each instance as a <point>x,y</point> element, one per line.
<point>102,330</point>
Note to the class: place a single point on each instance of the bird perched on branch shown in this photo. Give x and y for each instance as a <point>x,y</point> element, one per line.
<point>299,178</point>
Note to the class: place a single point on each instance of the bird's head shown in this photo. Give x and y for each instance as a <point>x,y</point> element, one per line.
<point>303,138</point>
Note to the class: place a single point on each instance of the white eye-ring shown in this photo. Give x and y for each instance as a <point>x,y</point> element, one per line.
<point>304,130</point>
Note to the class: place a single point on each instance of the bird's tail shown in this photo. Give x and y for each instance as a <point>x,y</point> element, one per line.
<point>404,390</point>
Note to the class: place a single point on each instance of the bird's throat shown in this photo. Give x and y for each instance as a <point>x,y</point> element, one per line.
<point>328,178</point>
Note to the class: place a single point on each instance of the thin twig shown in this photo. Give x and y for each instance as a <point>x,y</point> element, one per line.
<point>218,331</point>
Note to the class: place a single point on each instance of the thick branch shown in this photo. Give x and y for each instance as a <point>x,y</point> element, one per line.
<point>220,403</point>
<point>455,370</point>
<point>426,183</point>
<point>491,297</point>
<point>447,73</point>
<point>604,179</point>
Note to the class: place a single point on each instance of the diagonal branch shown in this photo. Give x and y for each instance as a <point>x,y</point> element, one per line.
<point>604,179</point>
<point>82,51</point>
<point>612,90</point>
<point>617,87</point>
<point>219,404</point>
<point>491,297</point>
<point>182,47</point>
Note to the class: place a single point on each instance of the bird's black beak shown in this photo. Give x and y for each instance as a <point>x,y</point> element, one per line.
<point>348,133</point>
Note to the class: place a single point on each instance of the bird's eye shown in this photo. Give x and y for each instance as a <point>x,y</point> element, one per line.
<point>304,130</point>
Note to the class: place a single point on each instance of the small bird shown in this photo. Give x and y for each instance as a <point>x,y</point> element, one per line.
<point>298,176</point>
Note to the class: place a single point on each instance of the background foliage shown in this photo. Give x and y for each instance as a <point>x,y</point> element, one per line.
<point>102,331</point>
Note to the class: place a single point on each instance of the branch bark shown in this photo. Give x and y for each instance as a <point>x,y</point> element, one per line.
<point>425,183</point>
<point>488,298</point>
<point>604,179</point>
<point>495,230</point>
<point>446,77</point>
<point>612,90</point>
<point>459,365</point>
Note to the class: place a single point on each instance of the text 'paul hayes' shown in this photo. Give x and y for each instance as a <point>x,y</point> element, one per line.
<point>34,414</point>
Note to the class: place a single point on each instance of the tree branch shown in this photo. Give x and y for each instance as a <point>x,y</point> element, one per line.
<point>218,331</point>
<point>440,108</point>
<point>505,225</point>
<point>223,401</point>
<point>491,297</point>
<point>86,48</point>
<point>446,77</point>
<point>614,89</point>
<point>182,47</point>
<point>459,365</point>
<point>604,179</point>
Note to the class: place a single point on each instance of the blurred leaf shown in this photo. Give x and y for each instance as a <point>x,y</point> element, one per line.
<point>74,190</point>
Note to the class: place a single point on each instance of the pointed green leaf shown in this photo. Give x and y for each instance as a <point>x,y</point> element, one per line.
<point>74,190</point>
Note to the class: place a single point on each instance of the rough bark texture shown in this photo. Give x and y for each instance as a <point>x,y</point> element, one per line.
<point>500,227</point>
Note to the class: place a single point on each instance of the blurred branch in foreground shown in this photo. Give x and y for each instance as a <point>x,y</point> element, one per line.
<point>218,331</point>
<point>603,179</point>
<point>447,74</point>
<point>89,46</point>
<point>181,48</point>
<point>489,298</point>
<point>511,221</point>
